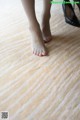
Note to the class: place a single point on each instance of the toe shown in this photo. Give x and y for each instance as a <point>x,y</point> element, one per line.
<point>44,53</point>
<point>34,52</point>
<point>40,53</point>
<point>37,52</point>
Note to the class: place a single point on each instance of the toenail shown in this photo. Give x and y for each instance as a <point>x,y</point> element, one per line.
<point>43,53</point>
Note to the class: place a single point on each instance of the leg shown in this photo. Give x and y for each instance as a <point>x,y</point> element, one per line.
<point>45,21</point>
<point>37,40</point>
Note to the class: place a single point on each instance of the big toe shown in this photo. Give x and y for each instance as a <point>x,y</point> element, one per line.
<point>44,52</point>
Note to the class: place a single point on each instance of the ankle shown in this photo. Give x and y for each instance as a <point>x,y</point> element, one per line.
<point>45,26</point>
<point>35,30</point>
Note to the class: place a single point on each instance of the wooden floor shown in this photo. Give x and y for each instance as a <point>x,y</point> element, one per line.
<point>34,88</point>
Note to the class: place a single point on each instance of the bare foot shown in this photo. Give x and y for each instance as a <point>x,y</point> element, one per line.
<point>38,46</point>
<point>46,32</point>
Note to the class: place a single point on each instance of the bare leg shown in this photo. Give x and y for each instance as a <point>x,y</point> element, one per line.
<point>37,40</point>
<point>45,21</point>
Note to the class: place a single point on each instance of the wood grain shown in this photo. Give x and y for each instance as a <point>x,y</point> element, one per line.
<point>34,88</point>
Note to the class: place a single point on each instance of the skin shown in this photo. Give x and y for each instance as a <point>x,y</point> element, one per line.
<point>39,35</point>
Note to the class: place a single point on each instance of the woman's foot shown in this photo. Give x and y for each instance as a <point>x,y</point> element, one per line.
<point>38,46</point>
<point>46,32</point>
